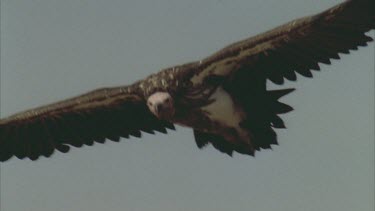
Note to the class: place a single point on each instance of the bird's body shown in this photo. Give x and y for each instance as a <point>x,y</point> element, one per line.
<point>223,97</point>
<point>229,116</point>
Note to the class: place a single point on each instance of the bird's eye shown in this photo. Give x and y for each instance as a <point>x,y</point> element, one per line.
<point>149,103</point>
<point>167,100</point>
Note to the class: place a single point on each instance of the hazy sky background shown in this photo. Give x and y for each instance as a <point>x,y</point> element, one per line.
<point>53,49</point>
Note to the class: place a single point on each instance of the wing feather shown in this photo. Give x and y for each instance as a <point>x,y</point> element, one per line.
<point>103,114</point>
<point>296,47</point>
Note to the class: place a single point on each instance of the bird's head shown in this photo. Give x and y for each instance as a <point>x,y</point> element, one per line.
<point>161,104</point>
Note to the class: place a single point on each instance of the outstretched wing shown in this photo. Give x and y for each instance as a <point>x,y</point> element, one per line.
<point>108,113</point>
<point>297,46</point>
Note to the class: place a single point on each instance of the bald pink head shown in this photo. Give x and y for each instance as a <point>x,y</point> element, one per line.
<point>161,105</point>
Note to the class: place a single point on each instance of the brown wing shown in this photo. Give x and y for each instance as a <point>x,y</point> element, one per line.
<point>108,113</point>
<point>297,46</point>
<point>243,67</point>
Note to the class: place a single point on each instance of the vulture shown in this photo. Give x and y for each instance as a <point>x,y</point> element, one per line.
<point>223,97</point>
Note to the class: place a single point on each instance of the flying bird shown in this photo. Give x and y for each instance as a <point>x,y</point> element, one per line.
<point>223,97</point>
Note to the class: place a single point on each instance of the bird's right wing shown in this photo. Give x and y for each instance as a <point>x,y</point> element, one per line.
<point>108,113</point>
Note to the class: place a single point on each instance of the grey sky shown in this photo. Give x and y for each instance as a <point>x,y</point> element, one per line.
<point>54,49</point>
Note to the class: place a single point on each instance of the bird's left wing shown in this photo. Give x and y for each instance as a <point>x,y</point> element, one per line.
<point>297,46</point>
<point>108,113</point>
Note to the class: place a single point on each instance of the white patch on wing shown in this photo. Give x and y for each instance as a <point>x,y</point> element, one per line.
<point>224,110</point>
<point>228,65</point>
<point>222,67</point>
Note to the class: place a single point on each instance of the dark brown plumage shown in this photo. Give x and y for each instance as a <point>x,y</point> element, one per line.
<point>241,70</point>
